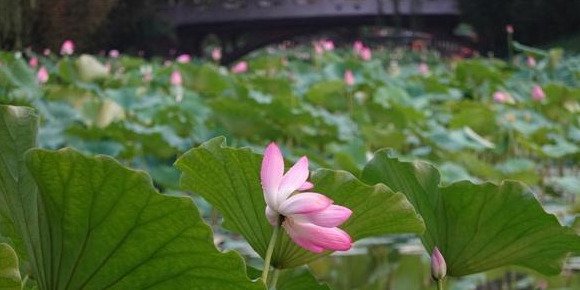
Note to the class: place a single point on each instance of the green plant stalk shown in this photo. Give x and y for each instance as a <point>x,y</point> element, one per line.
<point>274,280</point>
<point>510,41</point>
<point>440,284</point>
<point>269,252</point>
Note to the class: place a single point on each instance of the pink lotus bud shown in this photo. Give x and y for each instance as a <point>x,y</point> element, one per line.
<point>538,93</point>
<point>349,78</point>
<point>216,54</point>
<point>438,265</point>
<point>240,67</point>
<point>114,53</point>
<point>500,97</point>
<point>176,79</point>
<point>184,58</point>
<point>509,29</point>
<point>366,54</point>
<point>33,62</point>
<point>42,75</point>
<point>357,46</point>
<point>328,45</point>
<point>531,61</point>
<point>424,68</point>
<point>46,52</point>
<point>67,48</point>
<point>318,49</point>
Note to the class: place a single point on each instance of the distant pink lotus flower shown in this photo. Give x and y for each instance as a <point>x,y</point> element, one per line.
<point>357,46</point>
<point>240,67</point>
<point>67,48</point>
<point>310,219</point>
<point>366,54</point>
<point>531,61</point>
<point>349,78</point>
<point>46,52</point>
<point>500,97</point>
<point>438,265</point>
<point>33,62</point>
<point>184,58</point>
<point>216,54</point>
<point>328,45</point>
<point>424,68</point>
<point>172,51</point>
<point>114,53</point>
<point>509,29</point>
<point>538,93</point>
<point>42,75</point>
<point>176,79</point>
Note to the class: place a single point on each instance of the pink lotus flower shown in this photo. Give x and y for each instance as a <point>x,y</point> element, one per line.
<point>357,46</point>
<point>366,54</point>
<point>67,48</point>
<point>328,45</point>
<point>538,93</point>
<point>46,52</point>
<point>424,68</point>
<point>42,75</point>
<point>240,67</point>
<point>509,29</point>
<point>438,265</point>
<point>114,53</point>
<point>531,61</point>
<point>309,218</point>
<point>349,78</point>
<point>176,79</point>
<point>500,97</point>
<point>216,54</point>
<point>184,58</point>
<point>33,62</point>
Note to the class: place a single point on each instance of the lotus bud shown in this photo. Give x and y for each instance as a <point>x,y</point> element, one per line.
<point>176,79</point>
<point>438,265</point>
<point>328,45</point>
<point>114,53</point>
<point>424,69</point>
<point>46,52</point>
<point>509,29</point>
<point>538,93</point>
<point>67,48</point>
<point>184,58</point>
<point>500,97</point>
<point>531,61</point>
<point>33,62</point>
<point>349,78</point>
<point>42,75</point>
<point>366,54</point>
<point>216,54</point>
<point>357,46</point>
<point>240,67</point>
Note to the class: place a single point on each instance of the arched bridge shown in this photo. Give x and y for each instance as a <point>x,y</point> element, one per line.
<point>244,25</point>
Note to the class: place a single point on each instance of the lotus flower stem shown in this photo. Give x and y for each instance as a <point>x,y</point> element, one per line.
<point>270,251</point>
<point>440,284</point>
<point>274,280</point>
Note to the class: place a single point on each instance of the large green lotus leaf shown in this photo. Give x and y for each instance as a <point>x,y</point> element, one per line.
<point>292,279</point>
<point>18,200</point>
<point>477,227</point>
<point>109,228</point>
<point>229,179</point>
<point>9,274</point>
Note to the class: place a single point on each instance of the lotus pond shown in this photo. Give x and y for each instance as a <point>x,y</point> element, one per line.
<point>477,157</point>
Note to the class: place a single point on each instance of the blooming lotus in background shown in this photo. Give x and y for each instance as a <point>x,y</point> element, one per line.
<point>184,58</point>
<point>240,67</point>
<point>114,53</point>
<point>42,75</point>
<point>349,78</point>
<point>538,93</point>
<point>310,219</point>
<point>46,52</point>
<point>366,54</point>
<point>328,45</point>
<point>176,79</point>
<point>33,62</point>
<point>357,46</point>
<point>424,68</point>
<point>67,48</point>
<point>531,61</point>
<point>318,49</point>
<point>216,54</point>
